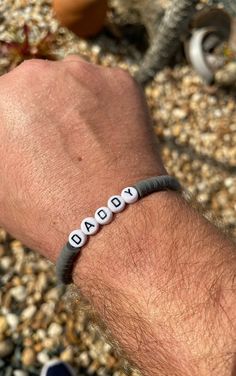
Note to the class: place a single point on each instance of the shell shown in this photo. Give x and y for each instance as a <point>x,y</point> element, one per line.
<point>84,17</point>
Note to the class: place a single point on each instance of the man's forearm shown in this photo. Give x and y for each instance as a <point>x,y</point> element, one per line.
<point>162,278</point>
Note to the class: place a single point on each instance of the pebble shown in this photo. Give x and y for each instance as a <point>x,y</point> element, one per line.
<point>12,320</point>
<point>5,262</point>
<point>84,359</point>
<point>6,348</point>
<point>48,343</point>
<point>42,357</point>
<point>19,372</point>
<point>41,282</point>
<point>52,294</point>
<point>180,114</point>
<point>3,325</point>
<point>67,355</point>
<point>28,312</point>
<point>55,330</point>
<point>19,293</point>
<point>28,357</point>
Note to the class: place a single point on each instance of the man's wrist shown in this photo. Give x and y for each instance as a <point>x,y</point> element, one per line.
<point>167,260</point>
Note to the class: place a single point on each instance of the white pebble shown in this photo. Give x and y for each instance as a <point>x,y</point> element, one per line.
<point>40,334</point>
<point>55,330</point>
<point>12,320</point>
<point>130,195</point>
<point>53,294</point>
<point>19,293</point>
<point>18,372</point>
<point>28,312</point>
<point>77,238</point>
<point>48,308</point>
<point>229,182</point>
<point>103,215</point>
<point>116,204</point>
<point>5,262</point>
<point>89,226</point>
<point>42,357</point>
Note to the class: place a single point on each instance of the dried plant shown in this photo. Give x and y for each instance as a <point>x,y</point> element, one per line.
<point>22,48</point>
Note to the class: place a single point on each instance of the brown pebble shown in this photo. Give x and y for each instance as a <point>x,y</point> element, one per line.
<point>28,357</point>
<point>28,342</point>
<point>3,325</point>
<point>38,347</point>
<point>6,348</point>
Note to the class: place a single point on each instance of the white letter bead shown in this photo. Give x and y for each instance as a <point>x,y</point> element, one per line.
<point>103,216</point>
<point>89,226</point>
<point>77,238</point>
<point>116,204</point>
<point>130,195</point>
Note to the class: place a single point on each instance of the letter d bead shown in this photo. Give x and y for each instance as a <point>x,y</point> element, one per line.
<point>116,204</point>
<point>77,238</point>
<point>103,216</point>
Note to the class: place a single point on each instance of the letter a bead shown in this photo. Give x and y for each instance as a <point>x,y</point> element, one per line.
<point>89,226</point>
<point>116,204</point>
<point>130,195</point>
<point>77,238</point>
<point>103,216</point>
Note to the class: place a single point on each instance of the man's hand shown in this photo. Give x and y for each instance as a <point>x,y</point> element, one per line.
<point>72,134</point>
<point>161,277</point>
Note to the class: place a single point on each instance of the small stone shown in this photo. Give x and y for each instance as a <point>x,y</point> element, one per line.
<point>28,312</point>
<point>55,330</point>
<point>180,114</point>
<point>6,348</point>
<point>19,293</point>
<point>28,357</point>
<point>41,283</point>
<point>42,357</point>
<point>229,182</point>
<point>67,355</point>
<point>52,294</point>
<point>18,372</point>
<point>28,342</point>
<point>3,325</point>
<point>38,347</point>
<point>12,320</point>
<point>48,343</point>
<point>5,262</point>
<point>84,359</point>
<point>41,334</point>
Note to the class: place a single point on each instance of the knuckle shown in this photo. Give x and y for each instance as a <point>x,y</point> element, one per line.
<point>125,79</point>
<point>34,65</point>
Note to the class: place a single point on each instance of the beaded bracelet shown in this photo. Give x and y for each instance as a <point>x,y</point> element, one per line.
<point>103,216</point>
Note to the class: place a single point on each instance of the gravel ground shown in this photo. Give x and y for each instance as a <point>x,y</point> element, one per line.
<point>196,126</point>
